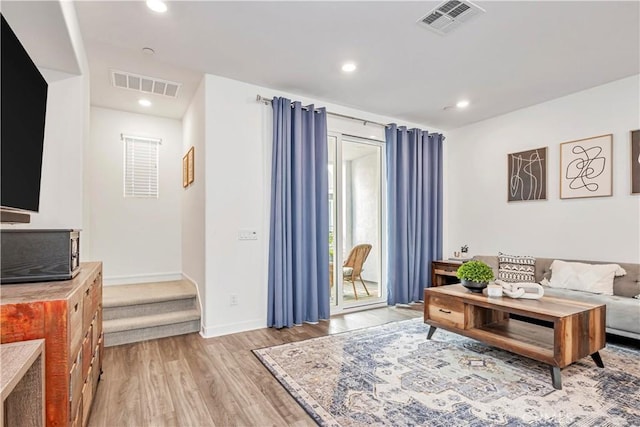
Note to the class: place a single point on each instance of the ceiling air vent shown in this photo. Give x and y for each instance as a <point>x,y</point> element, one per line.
<point>125,80</point>
<point>450,15</point>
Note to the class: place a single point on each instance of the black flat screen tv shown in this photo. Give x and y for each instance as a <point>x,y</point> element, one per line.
<point>24,103</point>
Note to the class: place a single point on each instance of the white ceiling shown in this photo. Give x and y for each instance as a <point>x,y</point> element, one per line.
<point>515,55</point>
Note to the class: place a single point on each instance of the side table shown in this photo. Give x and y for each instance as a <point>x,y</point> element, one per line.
<point>443,272</point>
<point>22,383</point>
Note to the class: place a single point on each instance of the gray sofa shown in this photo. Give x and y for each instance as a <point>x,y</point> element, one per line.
<point>623,311</point>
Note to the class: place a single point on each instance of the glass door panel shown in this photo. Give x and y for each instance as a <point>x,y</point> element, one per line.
<point>361,222</point>
<point>356,219</point>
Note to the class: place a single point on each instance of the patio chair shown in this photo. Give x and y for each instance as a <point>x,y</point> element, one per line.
<point>352,267</point>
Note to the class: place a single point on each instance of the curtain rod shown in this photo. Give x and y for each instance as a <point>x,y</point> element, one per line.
<point>260,98</point>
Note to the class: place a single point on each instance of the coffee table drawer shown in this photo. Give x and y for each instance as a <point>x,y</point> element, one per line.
<point>446,311</point>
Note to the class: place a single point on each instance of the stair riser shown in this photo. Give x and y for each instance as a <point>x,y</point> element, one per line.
<point>136,335</point>
<point>146,309</point>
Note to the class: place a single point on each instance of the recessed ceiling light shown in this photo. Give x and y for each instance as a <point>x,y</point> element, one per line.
<point>462,104</point>
<point>148,51</point>
<point>157,6</point>
<point>349,67</point>
<point>144,102</point>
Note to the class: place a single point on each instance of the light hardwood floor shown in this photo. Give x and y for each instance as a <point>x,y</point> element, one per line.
<point>191,381</point>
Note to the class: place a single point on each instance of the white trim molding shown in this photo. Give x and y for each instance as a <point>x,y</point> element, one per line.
<point>141,278</point>
<point>231,328</point>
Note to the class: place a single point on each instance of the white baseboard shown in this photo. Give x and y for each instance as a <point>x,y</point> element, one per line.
<point>231,328</point>
<point>140,278</point>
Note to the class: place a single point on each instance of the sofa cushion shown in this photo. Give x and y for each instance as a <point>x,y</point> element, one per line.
<point>623,314</point>
<point>624,286</point>
<point>516,268</point>
<point>594,278</point>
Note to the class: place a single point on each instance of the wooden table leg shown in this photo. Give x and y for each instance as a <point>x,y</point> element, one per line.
<point>432,329</point>
<point>556,380</point>
<point>597,359</point>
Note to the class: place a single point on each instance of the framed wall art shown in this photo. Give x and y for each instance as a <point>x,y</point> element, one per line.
<point>635,162</point>
<point>190,165</point>
<point>586,168</point>
<point>527,175</point>
<point>185,171</point>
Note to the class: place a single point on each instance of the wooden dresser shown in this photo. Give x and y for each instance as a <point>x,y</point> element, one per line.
<point>68,315</point>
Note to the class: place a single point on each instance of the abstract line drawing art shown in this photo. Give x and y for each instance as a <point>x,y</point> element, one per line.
<point>527,172</point>
<point>635,162</point>
<point>586,168</point>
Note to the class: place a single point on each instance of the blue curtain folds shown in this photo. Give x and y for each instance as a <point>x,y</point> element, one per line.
<point>414,211</point>
<point>298,284</point>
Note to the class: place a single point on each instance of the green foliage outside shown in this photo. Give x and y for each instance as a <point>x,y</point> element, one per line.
<point>475,271</point>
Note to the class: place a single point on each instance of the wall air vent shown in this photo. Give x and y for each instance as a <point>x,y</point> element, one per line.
<point>449,15</point>
<point>125,80</point>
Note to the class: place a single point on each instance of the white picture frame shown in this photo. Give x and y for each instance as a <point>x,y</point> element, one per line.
<point>586,168</point>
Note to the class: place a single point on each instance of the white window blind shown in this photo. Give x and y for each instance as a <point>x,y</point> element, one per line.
<point>141,166</point>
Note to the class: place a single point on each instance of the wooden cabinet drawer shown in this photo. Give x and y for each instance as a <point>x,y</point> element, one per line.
<point>445,269</point>
<point>77,420</point>
<point>95,333</point>
<point>448,311</point>
<point>95,365</point>
<point>75,383</point>
<point>87,397</point>
<point>101,351</point>
<point>97,292</point>
<point>88,307</point>
<point>76,332</point>
<point>86,356</point>
<point>99,320</point>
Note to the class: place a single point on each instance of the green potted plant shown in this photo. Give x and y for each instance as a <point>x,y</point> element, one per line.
<point>475,275</point>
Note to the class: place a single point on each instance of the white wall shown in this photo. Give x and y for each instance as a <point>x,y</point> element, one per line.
<point>193,197</point>
<point>137,239</point>
<point>476,208</point>
<point>62,162</point>
<point>238,168</point>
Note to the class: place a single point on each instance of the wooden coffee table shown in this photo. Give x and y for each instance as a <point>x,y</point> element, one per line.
<point>554,331</point>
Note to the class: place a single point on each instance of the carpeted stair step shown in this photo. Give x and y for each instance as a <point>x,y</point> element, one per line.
<point>139,312</point>
<point>142,328</point>
<point>146,293</point>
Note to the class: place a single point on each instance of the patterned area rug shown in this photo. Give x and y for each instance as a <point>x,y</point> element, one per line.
<point>393,375</point>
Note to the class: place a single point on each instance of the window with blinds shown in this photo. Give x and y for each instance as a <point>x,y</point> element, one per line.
<point>141,166</point>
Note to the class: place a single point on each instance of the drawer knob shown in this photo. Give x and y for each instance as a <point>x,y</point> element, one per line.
<point>445,311</point>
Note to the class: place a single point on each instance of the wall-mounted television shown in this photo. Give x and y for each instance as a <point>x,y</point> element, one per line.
<point>24,102</point>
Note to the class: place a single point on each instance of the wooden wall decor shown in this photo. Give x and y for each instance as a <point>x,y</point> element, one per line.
<point>635,162</point>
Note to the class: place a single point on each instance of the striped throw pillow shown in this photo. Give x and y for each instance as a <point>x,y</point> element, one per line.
<point>516,268</point>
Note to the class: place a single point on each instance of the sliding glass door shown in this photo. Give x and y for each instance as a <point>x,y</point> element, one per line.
<point>356,241</point>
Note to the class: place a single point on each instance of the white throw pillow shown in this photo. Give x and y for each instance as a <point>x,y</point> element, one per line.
<point>594,278</point>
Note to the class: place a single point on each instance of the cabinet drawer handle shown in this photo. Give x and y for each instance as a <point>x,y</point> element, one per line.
<point>75,307</point>
<point>444,311</point>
